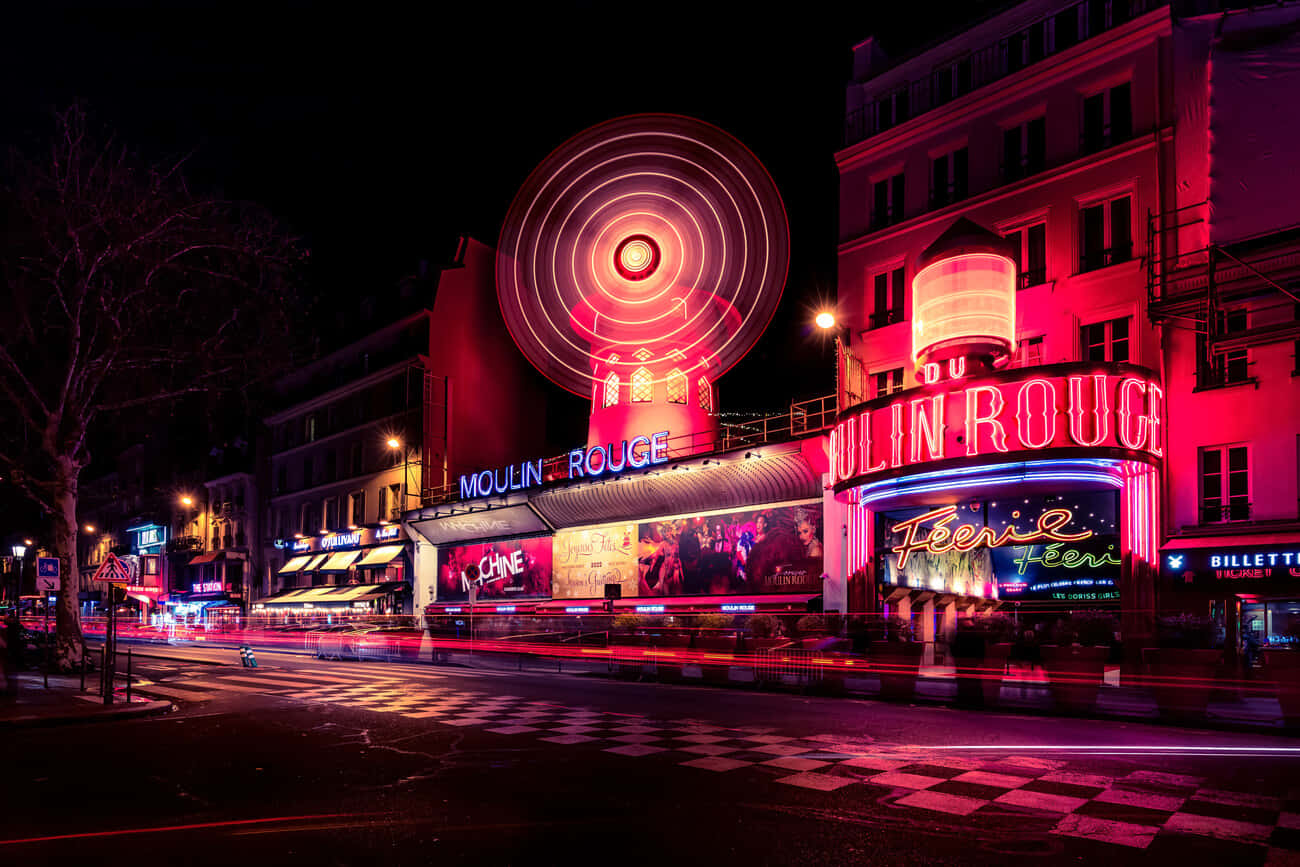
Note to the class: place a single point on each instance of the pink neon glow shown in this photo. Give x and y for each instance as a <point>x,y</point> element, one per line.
<point>967,298</point>
<point>974,419</point>
<point>1128,414</point>
<point>896,435</point>
<point>1036,405</point>
<point>1100,411</point>
<point>636,257</point>
<point>928,428</point>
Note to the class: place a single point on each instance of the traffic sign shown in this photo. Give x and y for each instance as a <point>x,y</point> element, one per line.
<point>112,571</point>
<point>47,567</point>
<point>46,584</point>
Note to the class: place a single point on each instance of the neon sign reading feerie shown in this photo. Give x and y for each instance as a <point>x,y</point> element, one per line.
<point>999,415</point>
<point>965,537</point>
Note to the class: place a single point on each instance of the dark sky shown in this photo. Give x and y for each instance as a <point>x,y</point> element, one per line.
<point>378,133</point>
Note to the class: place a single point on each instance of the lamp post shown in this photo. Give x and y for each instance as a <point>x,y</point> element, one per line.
<point>826,321</point>
<point>395,443</point>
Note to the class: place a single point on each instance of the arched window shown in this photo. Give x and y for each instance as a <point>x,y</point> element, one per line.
<point>676,386</point>
<point>611,390</point>
<point>642,386</point>
<point>706,395</point>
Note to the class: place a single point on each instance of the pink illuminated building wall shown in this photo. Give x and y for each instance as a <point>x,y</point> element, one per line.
<point>1041,124</point>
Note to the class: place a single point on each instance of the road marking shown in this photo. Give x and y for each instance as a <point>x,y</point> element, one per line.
<point>172,692</point>
<point>942,803</point>
<point>1220,829</point>
<point>1106,831</point>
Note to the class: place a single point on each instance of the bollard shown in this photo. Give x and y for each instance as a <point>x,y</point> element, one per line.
<point>243,656</point>
<point>252,659</point>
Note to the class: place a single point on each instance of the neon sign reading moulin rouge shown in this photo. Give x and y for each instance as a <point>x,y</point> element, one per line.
<point>1096,410</point>
<point>636,453</point>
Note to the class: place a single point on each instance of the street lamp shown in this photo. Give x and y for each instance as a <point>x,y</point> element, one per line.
<point>90,528</point>
<point>395,443</point>
<point>20,551</point>
<point>28,542</point>
<point>187,500</point>
<point>825,320</point>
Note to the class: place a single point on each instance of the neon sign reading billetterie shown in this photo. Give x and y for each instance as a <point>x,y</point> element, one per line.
<point>965,537</point>
<point>635,454</point>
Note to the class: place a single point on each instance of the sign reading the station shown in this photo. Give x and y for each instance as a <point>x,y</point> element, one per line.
<point>1060,407</point>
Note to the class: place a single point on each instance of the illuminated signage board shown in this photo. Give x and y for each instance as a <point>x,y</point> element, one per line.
<point>149,536</point>
<point>385,533</point>
<point>341,540</point>
<point>577,609</point>
<point>1065,407</point>
<point>1060,547</point>
<point>738,608</point>
<point>1231,564</point>
<point>649,609</point>
<point>302,545</point>
<point>208,587</point>
<point>636,453</point>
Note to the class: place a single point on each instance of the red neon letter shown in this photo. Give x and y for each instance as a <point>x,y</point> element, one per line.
<point>974,419</point>
<point>1028,407</point>
<point>864,442</point>
<point>1127,413</point>
<point>957,367</point>
<point>1100,411</point>
<point>930,427</point>
<point>896,435</point>
<point>843,452</point>
<point>1155,397</point>
<point>931,372</point>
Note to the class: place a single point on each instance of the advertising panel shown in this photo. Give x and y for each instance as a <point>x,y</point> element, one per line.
<point>1206,566</point>
<point>515,569</point>
<point>777,549</point>
<point>1056,547</point>
<point>586,560</point>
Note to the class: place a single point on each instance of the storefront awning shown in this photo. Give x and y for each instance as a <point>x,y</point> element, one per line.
<point>287,597</point>
<point>294,565</point>
<point>340,561</point>
<point>727,604</point>
<point>205,558</point>
<point>380,557</point>
<point>315,562</point>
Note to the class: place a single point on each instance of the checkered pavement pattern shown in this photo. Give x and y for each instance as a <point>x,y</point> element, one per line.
<point>1042,794</point>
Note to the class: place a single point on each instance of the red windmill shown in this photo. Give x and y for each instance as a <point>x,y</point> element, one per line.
<point>638,263</point>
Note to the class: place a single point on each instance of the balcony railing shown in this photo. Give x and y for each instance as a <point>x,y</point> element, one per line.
<point>1038,41</point>
<point>1031,277</point>
<point>1220,513</point>
<point>881,318</point>
<point>1092,260</point>
<point>184,543</point>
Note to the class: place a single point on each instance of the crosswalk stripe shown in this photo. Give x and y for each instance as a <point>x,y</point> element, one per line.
<point>172,692</point>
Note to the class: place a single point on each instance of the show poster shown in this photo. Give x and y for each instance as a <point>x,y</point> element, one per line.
<point>515,569</point>
<point>768,550</point>
<point>1057,547</point>
<point>586,560</point>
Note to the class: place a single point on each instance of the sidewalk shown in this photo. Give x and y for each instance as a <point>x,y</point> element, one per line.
<point>63,703</point>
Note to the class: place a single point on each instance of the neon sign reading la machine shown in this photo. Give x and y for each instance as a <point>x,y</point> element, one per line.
<point>635,454</point>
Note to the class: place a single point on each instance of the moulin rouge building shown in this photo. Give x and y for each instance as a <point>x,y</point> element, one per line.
<point>1065,256</point>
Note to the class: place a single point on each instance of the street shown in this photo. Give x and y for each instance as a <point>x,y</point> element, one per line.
<point>342,763</point>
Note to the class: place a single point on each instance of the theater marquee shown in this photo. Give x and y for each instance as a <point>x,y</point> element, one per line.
<point>1062,410</point>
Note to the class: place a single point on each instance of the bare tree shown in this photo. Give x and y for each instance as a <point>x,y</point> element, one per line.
<point>124,289</point>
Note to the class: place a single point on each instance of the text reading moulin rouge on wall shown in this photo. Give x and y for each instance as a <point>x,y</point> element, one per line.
<point>636,453</point>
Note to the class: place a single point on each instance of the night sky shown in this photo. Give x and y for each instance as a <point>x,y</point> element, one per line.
<point>380,134</point>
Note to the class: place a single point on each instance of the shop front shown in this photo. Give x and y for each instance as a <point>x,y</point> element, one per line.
<point>1252,591</point>
<point>1033,492</point>
<point>352,573</point>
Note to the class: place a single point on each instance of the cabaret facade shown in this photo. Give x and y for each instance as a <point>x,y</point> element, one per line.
<point>1003,405</point>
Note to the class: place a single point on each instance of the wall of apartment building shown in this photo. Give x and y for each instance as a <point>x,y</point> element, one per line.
<point>1072,295</point>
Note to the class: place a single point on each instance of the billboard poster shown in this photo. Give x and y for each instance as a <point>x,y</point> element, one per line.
<point>586,560</point>
<point>1053,547</point>
<point>514,569</point>
<point>777,549</point>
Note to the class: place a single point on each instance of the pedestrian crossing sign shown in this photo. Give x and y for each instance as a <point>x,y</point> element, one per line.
<point>112,571</point>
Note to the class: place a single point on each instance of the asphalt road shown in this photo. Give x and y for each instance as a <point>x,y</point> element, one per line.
<point>311,762</point>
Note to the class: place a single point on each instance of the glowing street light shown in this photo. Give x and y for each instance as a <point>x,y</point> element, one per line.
<point>825,320</point>
<point>394,442</point>
<point>187,500</point>
<point>28,542</point>
<point>90,528</point>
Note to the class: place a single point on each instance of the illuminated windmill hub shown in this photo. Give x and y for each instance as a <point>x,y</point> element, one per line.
<point>636,257</point>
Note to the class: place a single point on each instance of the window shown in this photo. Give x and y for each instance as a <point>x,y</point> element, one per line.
<point>611,390</point>
<point>1223,368</point>
<point>889,381</point>
<point>1065,29</point>
<point>1029,352</point>
<point>950,82</point>
<point>642,386</point>
<point>354,459</point>
<point>383,503</point>
<point>395,499</point>
<point>948,178</point>
<point>309,429</point>
<point>1105,234</point>
<point>888,202</point>
<point>306,515</point>
<point>1107,118</point>
<point>705,395</point>
<point>676,386</point>
<point>330,517</point>
<point>282,527</point>
<point>357,508</point>
<point>1225,484</point>
<point>308,478</point>
<point>329,467</point>
<point>1106,341</point>
<point>892,109</point>
<point>642,354</point>
<point>1024,149</point>
<point>282,479</point>
<point>888,288</point>
<point>1030,246</point>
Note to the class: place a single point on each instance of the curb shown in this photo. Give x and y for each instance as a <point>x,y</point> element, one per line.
<point>142,709</point>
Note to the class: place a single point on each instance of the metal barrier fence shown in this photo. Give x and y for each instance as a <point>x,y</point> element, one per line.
<point>782,665</point>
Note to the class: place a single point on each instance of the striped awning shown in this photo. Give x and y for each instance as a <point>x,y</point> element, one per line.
<point>380,556</point>
<point>315,562</point>
<point>294,565</point>
<point>340,561</point>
